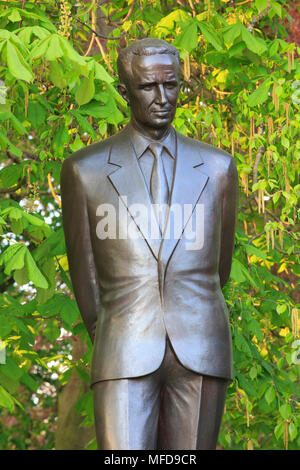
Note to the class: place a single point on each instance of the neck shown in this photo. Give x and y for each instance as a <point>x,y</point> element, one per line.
<point>149,132</point>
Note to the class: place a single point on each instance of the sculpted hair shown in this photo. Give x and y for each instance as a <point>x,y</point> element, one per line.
<point>147,47</point>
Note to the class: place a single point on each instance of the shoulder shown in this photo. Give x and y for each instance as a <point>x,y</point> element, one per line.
<point>87,158</point>
<point>216,160</point>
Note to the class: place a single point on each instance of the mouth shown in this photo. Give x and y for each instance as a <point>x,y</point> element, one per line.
<point>162,113</point>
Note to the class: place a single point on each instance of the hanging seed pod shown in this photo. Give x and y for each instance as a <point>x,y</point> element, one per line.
<point>289,60</point>
<point>293,59</point>
<point>268,154</point>
<point>286,179</point>
<point>286,435</point>
<point>295,322</point>
<point>250,445</point>
<point>247,415</point>
<point>255,227</point>
<point>186,67</point>
<point>286,107</point>
<point>273,238</point>
<point>226,129</point>
<point>245,227</point>
<point>26,102</point>
<point>270,127</point>
<point>268,240</point>
<point>275,97</point>
<point>232,145</point>
<point>280,236</point>
<point>259,201</point>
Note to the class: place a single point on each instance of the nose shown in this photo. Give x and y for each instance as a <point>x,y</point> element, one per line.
<point>161,95</point>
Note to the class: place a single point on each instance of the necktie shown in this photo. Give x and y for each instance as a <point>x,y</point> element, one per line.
<point>159,184</point>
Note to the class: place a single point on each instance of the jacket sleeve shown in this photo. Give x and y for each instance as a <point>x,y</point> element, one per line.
<point>78,243</point>
<point>229,218</point>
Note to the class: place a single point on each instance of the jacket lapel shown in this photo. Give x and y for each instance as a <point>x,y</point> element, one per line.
<point>189,182</point>
<point>128,181</point>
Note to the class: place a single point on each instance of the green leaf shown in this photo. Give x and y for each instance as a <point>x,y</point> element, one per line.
<point>69,310</point>
<point>61,138</point>
<point>260,95</point>
<point>15,122</point>
<point>270,395</point>
<point>27,380</point>
<point>49,271</point>
<point>40,48</point>
<point>285,411</point>
<point>210,36</point>
<point>252,250</point>
<point>72,55</point>
<point>101,74</point>
<point>239,273</point>
<point>217,119</point>
<point>36,114</point>
<point>261,5</point>
<point>34,274</point>
<point>11,370</point>
<point>84,124</point>
<point>10,175</point>
<point>254,44</point>
<point>231,33</point>
<point>167,23</point>
<point>241,343</point>
<point>13,257</point>
<point>6,400</point>
<point>17,65</point>
<point>278,431</point>
<point>253,373</point>
<point>14,15</point>
<point>34,220</point>
<point>86,90</point>
<point>54,49</point>
<point>293,431</point>
<point>21,276</point>
<point>9,384</point>
<point>52,330</point>
<point>5,326</point>
<point>188,39</point>
<point>57,74</point>
<point>277,9</point>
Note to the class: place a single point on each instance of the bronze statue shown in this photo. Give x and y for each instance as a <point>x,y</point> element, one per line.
<point>147,286</point>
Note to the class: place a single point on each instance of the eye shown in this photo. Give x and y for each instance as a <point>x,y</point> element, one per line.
<point>170,86</point>
<point>147,87</point>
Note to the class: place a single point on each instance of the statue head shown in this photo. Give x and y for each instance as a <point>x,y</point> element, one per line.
<point>149,73</point>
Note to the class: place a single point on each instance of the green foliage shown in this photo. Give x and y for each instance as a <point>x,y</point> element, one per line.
<point>241,93</point>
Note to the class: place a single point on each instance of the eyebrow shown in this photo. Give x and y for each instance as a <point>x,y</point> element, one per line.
<point>142,84</point>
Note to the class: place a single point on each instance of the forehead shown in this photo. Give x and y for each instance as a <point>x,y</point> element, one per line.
<point>149,67</point>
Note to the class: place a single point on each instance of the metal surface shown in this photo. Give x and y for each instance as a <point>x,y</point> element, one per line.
<point>132,293</point>
<point>153,412</point>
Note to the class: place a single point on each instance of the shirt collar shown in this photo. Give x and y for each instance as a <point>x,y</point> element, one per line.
<point>140,142</point>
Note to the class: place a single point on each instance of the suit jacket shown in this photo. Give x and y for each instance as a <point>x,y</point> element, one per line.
<point>132,293</point>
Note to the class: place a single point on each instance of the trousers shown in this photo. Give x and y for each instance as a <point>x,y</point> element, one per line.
<point>172,408</point>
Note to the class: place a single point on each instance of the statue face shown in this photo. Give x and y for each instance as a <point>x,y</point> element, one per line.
<point>152,90</point>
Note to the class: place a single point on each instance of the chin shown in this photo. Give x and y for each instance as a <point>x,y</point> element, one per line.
<point>159,123</point>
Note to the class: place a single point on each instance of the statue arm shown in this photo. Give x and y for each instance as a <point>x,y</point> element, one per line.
<point>78,242</point>
<point>229,217</point>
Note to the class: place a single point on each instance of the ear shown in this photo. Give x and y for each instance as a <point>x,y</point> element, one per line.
<point>122,89</point>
